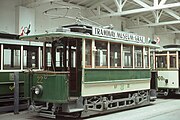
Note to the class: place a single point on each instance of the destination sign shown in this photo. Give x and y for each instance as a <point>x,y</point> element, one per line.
<point>117,34</point>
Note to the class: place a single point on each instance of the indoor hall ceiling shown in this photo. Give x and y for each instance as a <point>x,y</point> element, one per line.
<point>152,13</point>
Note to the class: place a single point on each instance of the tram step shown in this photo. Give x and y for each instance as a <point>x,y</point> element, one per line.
<point>75,110</point>
<point>47,114</point>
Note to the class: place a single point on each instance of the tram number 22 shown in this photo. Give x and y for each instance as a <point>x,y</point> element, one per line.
<point>39,79</point>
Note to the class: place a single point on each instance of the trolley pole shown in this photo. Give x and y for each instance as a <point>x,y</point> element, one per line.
<point>16,93</point>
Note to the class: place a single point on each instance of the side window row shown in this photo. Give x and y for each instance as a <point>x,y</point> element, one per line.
<point>11,57</point>
<point>118,55</point>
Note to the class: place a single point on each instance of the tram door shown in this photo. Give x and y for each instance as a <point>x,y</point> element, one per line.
<point>179,66</point>
<point>74,65</point>
<point>68,58</point>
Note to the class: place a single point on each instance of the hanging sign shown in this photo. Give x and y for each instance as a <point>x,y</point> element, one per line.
<point>117,34</point>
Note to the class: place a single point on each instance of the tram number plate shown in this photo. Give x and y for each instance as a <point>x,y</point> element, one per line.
<point>11,76</point>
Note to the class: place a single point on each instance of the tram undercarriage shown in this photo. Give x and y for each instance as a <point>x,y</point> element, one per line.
<point>87,106</point>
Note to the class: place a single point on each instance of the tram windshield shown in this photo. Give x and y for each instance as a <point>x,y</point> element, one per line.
<point>161,61</point>
<point>172,60</point>
<point>166,59</point>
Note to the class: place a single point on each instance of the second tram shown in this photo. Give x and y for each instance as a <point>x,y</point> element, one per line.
<point>16,56</point>
<point>168,69</point>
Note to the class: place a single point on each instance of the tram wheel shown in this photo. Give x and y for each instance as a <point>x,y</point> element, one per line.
<point>76,114</point>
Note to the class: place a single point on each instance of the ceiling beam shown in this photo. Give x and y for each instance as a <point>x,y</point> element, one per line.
<point>107,8</point>
<point>155,2</point>
<point>118,5</point>
<point>157,24</point>
<point>146,20</point>
<point>153,8</point>
<point>140,2</point>
<point>157,14</point>
<point>172,13</point>
<point>173,28</point>
<point>169,32</point>
<point>82,1</point>
<point>70,1</point>
<point>162,2</point>
<point>97,4</point>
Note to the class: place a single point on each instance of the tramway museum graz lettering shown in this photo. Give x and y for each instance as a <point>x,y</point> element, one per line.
<point>117,34</point>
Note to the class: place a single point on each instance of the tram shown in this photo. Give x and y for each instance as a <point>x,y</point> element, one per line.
<point>16,56</point>
<point>167,67</point>
<point>89,70</point>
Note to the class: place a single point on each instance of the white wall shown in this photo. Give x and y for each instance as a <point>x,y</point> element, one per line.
<point>166,39</point>
<point>148,32</point>
<point>7,15</point>
<point>13,17</point>
<point>44,23</point>
<point>177,39</point>
<point>164,35</point>
<point>24,17</point>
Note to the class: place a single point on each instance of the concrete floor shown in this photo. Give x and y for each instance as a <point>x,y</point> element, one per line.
<point>162,109</point>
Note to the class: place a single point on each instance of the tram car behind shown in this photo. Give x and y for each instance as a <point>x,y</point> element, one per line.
<point>16,56</point>
<point>167,67</point>
<point>88,73</point>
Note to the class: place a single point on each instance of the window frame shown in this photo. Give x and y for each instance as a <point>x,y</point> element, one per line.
<point>132,56</point>
<point>11,47</point>
<point>88,66</point>
<point>113,43</point>
<point>97,41</point>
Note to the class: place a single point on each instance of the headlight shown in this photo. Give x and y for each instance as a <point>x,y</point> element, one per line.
<point>38,89</point>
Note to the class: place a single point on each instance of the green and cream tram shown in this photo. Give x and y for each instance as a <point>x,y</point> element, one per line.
<point>167,67</point>
<point>89,70</point>
<point>16,56</point>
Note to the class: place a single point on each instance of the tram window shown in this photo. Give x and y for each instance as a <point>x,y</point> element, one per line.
<point>115,54</point>
<point>41,58</point>
<point>12,58</point>
<point>127,56</point>
<point>162,52</point>
<point>138,57</point>
<point>0,57</point>
<point>152,62</point>
<point>146,57</point>
<point>88,53</point>
<point>172,52</point>
<point>48,53</point>
<point>101,54</point>
<point>30,59</point>
<point>172,61</point>
<point>161,61</point>
<point>25,59</point>
<point>58,54</point>
<point>73,56</point>
<point>33,57</point>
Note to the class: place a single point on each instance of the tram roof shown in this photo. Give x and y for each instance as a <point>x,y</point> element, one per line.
<point>52,36</point>
<point>173,47</point>
<point>167,49</point>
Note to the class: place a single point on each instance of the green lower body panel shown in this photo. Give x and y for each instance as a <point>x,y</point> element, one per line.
<point>53,88</point>
<point>7,83</point>
<point>8,89</point>
<point>110,81</point>
<point>98,75</point>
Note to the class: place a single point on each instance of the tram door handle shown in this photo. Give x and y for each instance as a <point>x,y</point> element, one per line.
<point>67,81</point>
<point>166,81</point>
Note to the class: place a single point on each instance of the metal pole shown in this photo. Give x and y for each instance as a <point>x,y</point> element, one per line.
<point>16,93</point>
